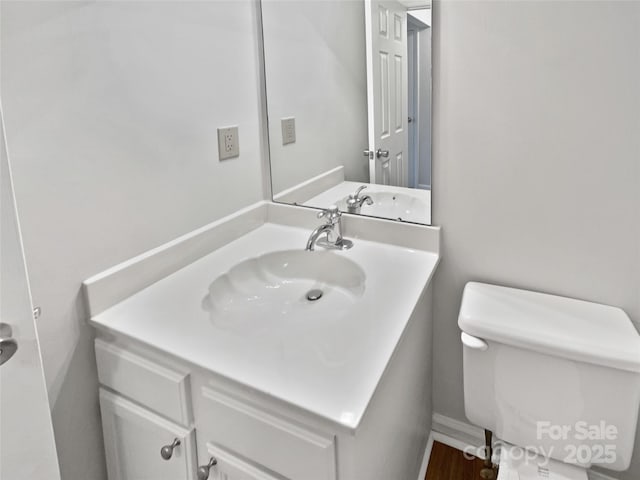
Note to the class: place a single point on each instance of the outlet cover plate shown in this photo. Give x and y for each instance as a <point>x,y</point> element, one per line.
<point>228,143</point>
<point>288,130</point>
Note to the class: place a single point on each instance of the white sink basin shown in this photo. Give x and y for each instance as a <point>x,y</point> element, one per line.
<point>289,283</point>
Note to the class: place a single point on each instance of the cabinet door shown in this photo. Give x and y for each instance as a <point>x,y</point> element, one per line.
<point>230,467</point>
<point>133,438</point>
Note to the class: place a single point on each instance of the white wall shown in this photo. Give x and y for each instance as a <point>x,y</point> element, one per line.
<point>316,72</point>
<point>111,111</point>
<point>536,159</point>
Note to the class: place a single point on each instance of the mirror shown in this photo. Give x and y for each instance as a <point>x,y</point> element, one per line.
<point>348,87</point>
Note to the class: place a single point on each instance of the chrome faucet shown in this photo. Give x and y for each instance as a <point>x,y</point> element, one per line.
<point>331,230</point>
<point>355,201</point>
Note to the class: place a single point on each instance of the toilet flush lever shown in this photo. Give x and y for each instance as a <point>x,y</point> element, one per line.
<point>473,342</point>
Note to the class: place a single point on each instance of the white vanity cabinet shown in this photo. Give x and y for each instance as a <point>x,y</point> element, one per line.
<point>337,390</point>
<point>149,402</point>
<point>148,399</point>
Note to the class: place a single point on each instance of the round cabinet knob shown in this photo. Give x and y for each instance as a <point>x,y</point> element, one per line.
<point>166,452</point>
<point>203,471</point>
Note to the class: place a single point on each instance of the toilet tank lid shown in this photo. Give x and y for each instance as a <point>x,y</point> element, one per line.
<point>560,326</point>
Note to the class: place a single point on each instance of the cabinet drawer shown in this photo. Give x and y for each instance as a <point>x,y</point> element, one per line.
<point>280,446</point>
<point>163,390</point>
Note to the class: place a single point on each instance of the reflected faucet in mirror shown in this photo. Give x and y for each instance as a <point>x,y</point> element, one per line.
<point>355,201</point>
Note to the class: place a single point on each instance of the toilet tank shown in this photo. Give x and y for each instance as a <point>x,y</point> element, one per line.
<point>558,376</point>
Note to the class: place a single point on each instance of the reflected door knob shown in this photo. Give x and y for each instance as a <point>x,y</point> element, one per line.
<point>8,345</point>
<point>166,452</point>
<point>203,470</point>
<point>378,153</point>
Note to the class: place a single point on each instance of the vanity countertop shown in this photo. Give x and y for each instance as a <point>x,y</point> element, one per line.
<point>329,366</point>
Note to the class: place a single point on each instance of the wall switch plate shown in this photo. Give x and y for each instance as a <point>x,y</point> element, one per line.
<point>288,130</point>
<point>228,143</point>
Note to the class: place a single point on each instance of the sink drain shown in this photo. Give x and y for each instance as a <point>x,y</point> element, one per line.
<point>315,294</point>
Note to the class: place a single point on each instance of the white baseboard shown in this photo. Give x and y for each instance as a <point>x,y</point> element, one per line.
<point>462,435</point>
<point>461,432</point>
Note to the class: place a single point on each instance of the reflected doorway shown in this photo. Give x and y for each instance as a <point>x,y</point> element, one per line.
<point>419,97</point>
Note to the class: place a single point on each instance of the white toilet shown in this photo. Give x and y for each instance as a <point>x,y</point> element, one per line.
<point>556,380</point>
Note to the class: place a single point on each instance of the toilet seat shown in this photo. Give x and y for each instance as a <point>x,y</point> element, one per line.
<point>519,464</point>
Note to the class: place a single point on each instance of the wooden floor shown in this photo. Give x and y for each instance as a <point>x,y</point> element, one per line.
<point>447,463</point>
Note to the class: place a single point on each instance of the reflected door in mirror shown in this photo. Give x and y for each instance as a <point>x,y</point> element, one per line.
<point>386,26</point>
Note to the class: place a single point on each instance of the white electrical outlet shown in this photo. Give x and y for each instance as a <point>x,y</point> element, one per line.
<point>228,143</point>
<point>288,130</point>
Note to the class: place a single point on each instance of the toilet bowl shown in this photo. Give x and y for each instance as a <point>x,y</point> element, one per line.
<point>555,376</point>
<point>516,463</point>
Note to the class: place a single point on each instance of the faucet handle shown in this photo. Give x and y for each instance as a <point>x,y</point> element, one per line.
<point>357,194</point>
<point>332,213</point>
